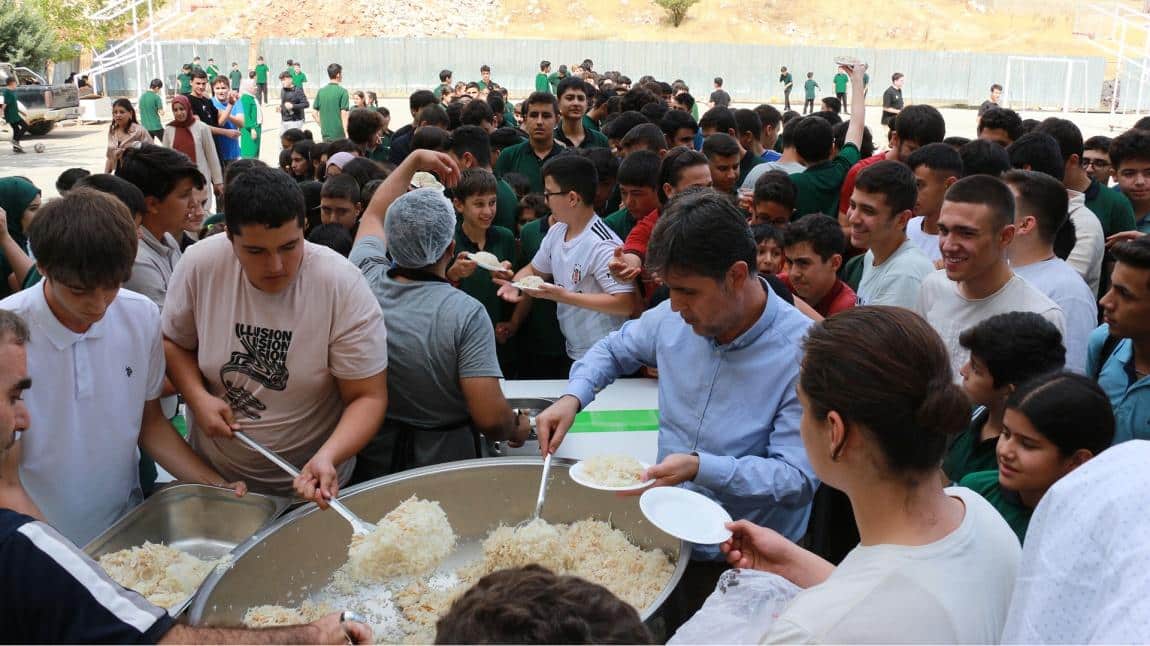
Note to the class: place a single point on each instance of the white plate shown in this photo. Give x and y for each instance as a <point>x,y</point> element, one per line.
<point>847,61</point>
<point>684,514</point>
<point>529,289</point>
<point>578,475</point>
<point>487,266</point>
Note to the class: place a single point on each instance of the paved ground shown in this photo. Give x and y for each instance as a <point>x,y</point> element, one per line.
<point>84,146</point>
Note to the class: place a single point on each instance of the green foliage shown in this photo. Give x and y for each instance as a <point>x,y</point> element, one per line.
<point>676,9</point>
<point>74,30</point>
<point>25,37</point>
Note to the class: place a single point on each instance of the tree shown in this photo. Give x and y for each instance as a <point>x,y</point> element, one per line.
<point>25,37</point>
<point>75,31</point>
<point>676,9</point>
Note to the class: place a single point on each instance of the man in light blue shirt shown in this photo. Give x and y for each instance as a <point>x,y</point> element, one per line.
<point>728,354</point>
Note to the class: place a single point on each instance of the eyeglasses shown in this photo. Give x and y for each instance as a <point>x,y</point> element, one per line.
<point>547,194</point>
<point>1096,163</point>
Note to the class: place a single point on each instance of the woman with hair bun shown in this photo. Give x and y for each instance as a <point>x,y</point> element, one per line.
<point>934,565</point>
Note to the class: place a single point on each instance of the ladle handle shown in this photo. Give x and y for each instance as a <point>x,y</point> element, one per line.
<point>543,485</point>
<point>341,509</point>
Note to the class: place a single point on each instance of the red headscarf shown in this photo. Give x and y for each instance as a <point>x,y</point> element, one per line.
<point>183,140</point>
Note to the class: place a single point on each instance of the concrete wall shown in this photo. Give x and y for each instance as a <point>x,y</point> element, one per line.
<point>398,66</point>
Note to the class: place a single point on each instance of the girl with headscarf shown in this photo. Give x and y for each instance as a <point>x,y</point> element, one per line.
<point>253,121</point>
<point>19,200</point>
<point>124,131</point>
<point>187,134</point>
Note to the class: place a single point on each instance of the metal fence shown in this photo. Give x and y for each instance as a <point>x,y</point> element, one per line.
<point>395,66</point>
<point>173,54</point>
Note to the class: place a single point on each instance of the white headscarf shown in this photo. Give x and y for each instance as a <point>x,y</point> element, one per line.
<point>248,86</point>
<point>1085,571</point>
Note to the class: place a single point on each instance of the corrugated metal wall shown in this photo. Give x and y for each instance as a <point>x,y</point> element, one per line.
<point>174,53</point>
<point>398,66</point>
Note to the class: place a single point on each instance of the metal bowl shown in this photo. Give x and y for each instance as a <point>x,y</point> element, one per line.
<point>288,561</point>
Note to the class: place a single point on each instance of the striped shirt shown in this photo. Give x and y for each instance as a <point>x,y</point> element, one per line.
<point>53,593</point>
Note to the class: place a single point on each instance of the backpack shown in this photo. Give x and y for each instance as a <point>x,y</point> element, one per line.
<point>1108,347</point>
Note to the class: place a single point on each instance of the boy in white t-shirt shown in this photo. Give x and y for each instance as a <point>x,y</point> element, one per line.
<point>573,259</point>
<point>97,353</point>
<point>975,229</point>
<point>936,167</point>
<point>880,205</point>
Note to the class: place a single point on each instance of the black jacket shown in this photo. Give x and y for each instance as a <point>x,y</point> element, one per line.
<point>298,101</point>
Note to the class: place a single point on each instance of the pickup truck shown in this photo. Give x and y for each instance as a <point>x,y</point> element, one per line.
<point>45,104</point>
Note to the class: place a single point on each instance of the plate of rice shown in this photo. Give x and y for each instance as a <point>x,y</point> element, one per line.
<point>611,473</point>
<point>487,260</point>
<point>529,283</point>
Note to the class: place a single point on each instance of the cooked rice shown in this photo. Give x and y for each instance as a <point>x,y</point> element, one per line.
<point>164,575</point>
<point>613,470</point>
<point>485,258</point>
<point>530,282</point>
<point>411,539</point>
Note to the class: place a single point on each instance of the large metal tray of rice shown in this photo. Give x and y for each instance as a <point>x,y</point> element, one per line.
<point>297,567</point>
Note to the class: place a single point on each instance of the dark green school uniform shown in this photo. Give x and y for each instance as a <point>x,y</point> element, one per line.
<point>262,74</point>
<point>852,271</point>
<point>501,242</point>
<point>554,80</point>
<point>590,124</point>
<point>521,159</point>
<point>234,77</point>
<point>621,222</point>
<point>331,101</point>
<point>818,186</point>
<point>185,83</point>
<point>749,161</point>
<point>1017,515</point>
<point>382,152</point>
<point>212,71</point>
<point>971,453</point>
<point>1113,209</point>
<point>506,206</point>
<point>542,348</point>
<point>841,83</point>
<point>509,118</point>
<point>542,83</point>
<point>591,139</point>
<point>298,79</point>
<point>809,89</point>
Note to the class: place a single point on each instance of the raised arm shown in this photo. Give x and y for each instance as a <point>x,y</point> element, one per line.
<point>858,103</point>
<point>398,183</point>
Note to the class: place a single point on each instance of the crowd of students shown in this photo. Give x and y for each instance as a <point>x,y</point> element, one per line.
<point>838,334</point>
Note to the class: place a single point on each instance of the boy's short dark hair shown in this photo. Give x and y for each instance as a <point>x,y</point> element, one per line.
<point>893,180</point>
<point>1001,119</point>
<point>531,605</point>
<point>333,236</point>
<point>570,83</point>
<point>812,138</point>
<point>536,203</point>
<point>262,196</point>
<point>475,113</point>
<point>433,115</point>
<point>675,162</point>
<point>701,233</point>
<point>606,163</point>
<point>769,116</point>
<point>68,178</point>
<point>156,170</point>
<point>420,99</point>
<point>1068,136</point>
<point>937,157</point>
<point>765,232</point>
<point>1040,152</point>
<point>241,166</point>
<point>573,173</point>
<point>866,146</point>
<point>1015,346</point>
<point>444,75</point>
<point>544,65</point>
<point>654,111</point>
<point>474,140</point>
<point>1135,253</point>
<point>518,183</point>
<point>675,120</point>
<point>505,137</point>
<point>621,124</point>
<point>921,123</point>
<point>747,121</point>
<point>1132,144</point>
<point>1041,196</point>
<point>295,135</point>
<point>199,74</point>
<point>981,157</point>
<point>473,182</point>
<point>833,104</point>
<point>155,84</point>
<point>721,145</point>
<point>829,117</point>
<point>776,186</point>
<point>1098,142</point>
<point>485,68</point>
<point>540,98</point>
<point>430,138</point>
<point>341,187</point>
<point>956,142</point>
<point>640,168</point>
<point>647,135</point>
<point>123,190</point>
<point>821,231</point>
<point>334,70</point>
<point>721,118</point>
<point>988,191</point>
<point>362,123</point>
<point>685,99</point>
<point>86,239</point>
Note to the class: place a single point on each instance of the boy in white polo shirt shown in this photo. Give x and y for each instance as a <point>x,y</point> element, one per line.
<point>98,352</point>
<point>573,259</point>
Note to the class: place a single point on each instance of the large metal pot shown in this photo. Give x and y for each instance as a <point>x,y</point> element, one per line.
<point>286,562</point>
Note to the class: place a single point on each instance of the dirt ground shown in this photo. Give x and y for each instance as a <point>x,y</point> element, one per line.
<point>1033,27</point>
<point>84,145</point>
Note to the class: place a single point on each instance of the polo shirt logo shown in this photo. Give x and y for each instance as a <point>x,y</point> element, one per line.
<point>576,274</point>
<point>128,371</point>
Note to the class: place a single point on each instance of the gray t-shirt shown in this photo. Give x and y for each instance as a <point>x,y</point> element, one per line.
<point>436,335</point>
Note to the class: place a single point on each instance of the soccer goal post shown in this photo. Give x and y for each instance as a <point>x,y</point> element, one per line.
<point>1046,83</point>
